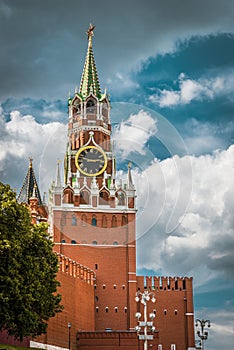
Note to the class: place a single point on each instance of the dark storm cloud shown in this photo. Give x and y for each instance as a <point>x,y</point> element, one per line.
<point>43,42</point>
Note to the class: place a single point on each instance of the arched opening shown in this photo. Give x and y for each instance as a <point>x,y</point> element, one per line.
<point>103,198</point>
<point>105,112</point>
<point>83,220</point>
<point>114,221</point>
<point>74,220</point>
<point>91,106</point>
<point>121,198</point>
<point>84,197</point>
<point>124,220</point>
<point>94,221</point>
<point>104,221</point>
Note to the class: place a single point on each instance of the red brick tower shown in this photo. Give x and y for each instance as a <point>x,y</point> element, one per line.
<point>92,215</point>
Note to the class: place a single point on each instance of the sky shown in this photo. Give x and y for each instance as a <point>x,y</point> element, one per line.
<point>168,66</point>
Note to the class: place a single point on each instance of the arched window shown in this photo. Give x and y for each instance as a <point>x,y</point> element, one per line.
<point>74,220</point>
<point>124,220</point>
<point>83,220</point>
<point>104,198</point>
<point>94,221</point>
<point>73,241</point>
<point>94,242</point>
<point>91,106</point>
<point>104,221</point>
<point>105,112</point>
<point>84,197</point>
<point>114,221</point>
<point>63,220</point>
<point>115,243</point>
<point>121,197</point>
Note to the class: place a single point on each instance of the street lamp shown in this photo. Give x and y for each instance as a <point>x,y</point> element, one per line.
<point>146,325</point>
<point>69,335</point>
<point>203,335</point>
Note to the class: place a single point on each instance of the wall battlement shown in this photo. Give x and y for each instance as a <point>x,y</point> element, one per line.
<point>167,283</point>
<point>76,270</point>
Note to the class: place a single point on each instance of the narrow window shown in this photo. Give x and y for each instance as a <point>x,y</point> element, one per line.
<point>107,309</point>
<point>74,221</point>
<point>94,221</point>
<point>104,221</point>
<point>96,266</point>
<point>124,220</point>
<point>114,221</point>
<point>83,220</point>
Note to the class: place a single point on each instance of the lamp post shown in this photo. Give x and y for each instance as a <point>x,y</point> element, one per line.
<point>203,335</point>
<point>146,325</point>
<point>69,335</point>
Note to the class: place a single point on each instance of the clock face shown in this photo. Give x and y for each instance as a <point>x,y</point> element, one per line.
<point>91,161</point>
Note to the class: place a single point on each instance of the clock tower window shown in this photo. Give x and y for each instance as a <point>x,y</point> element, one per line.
<point>74,221</point>
<point>114,221</point>
<point>104,221</point>
<point>83,220</point>
<point>91,106</point>
<point>84,197</point>
<point>103,198</point>
<point>94,221</point>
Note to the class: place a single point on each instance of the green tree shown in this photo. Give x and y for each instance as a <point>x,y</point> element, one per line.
<point>28,270</point>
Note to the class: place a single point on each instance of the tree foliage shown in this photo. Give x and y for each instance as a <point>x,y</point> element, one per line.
<point>28,269</point>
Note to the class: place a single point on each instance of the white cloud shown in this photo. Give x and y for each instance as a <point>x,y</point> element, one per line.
<point>204,234</point>
<point>132,135</point>
<point>221,331</point>
<point>192,90</point>
<point>23,138</point>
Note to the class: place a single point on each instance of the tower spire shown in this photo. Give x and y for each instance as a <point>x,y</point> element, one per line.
<point>89,80</point>
<point>30,187</point>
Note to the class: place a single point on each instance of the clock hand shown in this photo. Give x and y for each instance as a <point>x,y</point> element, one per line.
<point>91,160</point>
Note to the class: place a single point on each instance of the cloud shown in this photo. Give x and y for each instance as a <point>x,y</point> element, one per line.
<point>204,235</point>
<point>221,332</point>
<point>35,59</point>
<point>193,90</point>
<point>132,135</point>
<point>23,137</point>
<point>205,137</point>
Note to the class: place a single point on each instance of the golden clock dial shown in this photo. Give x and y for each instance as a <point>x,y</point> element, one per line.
<point>91,160</point>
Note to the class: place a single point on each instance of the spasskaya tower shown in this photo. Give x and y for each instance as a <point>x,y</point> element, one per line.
<point>92,215</point>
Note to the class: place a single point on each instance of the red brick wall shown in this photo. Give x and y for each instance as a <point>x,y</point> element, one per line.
<point>112,265</point>
<point>174,309</point>
<point>78,302</point>
<point>111,341</point>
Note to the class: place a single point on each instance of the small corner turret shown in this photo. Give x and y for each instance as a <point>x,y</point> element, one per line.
<point>30,196</point>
